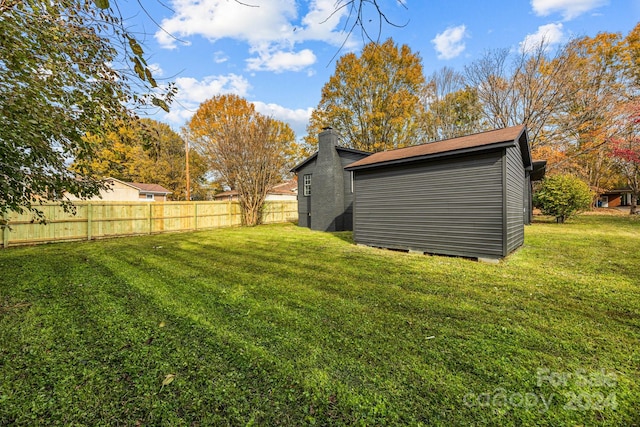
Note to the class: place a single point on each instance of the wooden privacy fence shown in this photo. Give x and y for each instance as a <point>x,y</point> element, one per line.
<point>98,220</point>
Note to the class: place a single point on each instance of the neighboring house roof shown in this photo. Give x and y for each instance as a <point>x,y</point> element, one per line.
<point>286,188</point>
<point>314,155</point>
<point>144,188</point>
<point>149,188</point>
<point>622,190</point>
<point>224,194</point>
<point>461,145</point>
<point>289,188</point>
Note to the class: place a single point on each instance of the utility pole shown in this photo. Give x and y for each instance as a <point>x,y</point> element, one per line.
<point>186,143</point>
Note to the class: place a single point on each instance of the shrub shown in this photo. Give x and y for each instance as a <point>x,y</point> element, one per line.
<point>562,196</point>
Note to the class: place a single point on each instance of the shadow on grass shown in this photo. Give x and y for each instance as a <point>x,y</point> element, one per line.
<point>345,236</point>
<point>282,325</point>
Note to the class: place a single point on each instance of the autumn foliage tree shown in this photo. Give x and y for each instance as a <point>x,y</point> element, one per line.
<point>586,123</point>
<point>249,151</point>
<point>145,151</point>
<point>626,153</point>
<point>59,81</point>
<point>523,88</point>
<point>374,100</point>
<point>452,107</point>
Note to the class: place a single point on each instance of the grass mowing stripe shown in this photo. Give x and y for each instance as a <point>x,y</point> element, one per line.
<point>279,325</point>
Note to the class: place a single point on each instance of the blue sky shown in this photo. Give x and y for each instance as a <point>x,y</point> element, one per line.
<point>279,53</point>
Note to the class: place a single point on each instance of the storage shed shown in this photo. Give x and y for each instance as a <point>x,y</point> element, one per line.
<point>467,196</point>
<point>325,190</point>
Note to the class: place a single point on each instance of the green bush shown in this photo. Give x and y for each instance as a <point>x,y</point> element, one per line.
<point>562,196</point>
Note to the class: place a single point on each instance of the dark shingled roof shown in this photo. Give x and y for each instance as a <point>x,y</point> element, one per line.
<point>314,155</point>
<point>463,143</point>
<point>149,188</point>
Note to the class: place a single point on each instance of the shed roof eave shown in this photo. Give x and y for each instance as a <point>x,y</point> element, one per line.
<point>525,149</point>
<point>463,151</point>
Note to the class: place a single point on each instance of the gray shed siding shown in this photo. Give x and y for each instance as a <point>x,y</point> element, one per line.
<point>515,194</point>
<point>451,207</point>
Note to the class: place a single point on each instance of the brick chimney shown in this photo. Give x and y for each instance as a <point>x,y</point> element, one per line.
<point>327,200</point>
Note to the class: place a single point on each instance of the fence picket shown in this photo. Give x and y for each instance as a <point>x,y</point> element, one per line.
<point>99,220</point>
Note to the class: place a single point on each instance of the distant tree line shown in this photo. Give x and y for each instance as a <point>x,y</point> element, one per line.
<point>578,100</point>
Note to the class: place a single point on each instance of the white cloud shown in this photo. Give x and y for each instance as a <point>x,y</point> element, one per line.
<point>569,9</point>
<point>282,61</point>
<point>156,70</point>
<point>192,92</point>
<point>550,35</point>
<point>219,57</point>
<point>321,23</point>
<point>220,18</point>
<point>271,30</point>
<point>450,43</point>
<point>297,118</point>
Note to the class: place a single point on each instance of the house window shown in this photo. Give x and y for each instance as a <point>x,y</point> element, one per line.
<point>306,185</point>
<point>149,196</point>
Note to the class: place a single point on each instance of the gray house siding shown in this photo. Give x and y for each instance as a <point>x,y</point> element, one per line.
<point>327,185</point>
<point>528,200</point>
<point>329,206</point>
<point>515,194</point>
<point>304,202</point>
<point>448,206</point>
<point>347,158</point>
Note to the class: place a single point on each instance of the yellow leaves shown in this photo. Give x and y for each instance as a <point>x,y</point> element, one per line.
<point>372,100</point>
<point>135,47</point>
<point>215,114</point>
<point>101,4</point>
<point>249,151</point>
<point>168,379</point>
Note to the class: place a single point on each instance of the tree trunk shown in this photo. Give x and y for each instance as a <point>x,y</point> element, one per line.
<point>634,204</point>
<point>251,210</point>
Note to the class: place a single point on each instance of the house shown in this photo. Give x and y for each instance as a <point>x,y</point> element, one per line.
<point>122,191</point>
<point>325,188</point>
<point>468,196</point>
<point>285,191</point>
<point>619,197</point>
<point>150,192</point>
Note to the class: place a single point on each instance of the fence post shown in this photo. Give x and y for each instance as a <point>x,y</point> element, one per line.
<point>230,212</point>
<point>5,231</point>
<point>150,217</point>
<point>195,215</point>
<point>89,219</point>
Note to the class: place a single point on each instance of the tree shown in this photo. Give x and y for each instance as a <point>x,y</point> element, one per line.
<point>452,108</point>
<point>562,196</point>
<point>626,153</point>
<point>585,123</point>
<point>248,150</point>
<point>527,88</point>
<point>373,100</point>
<point>145,151</point>
<point>58,82</point>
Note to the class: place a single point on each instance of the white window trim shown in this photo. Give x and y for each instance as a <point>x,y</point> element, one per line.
<point>306,185</point>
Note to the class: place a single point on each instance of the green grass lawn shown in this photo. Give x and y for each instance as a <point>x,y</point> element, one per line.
<point>280,325</point>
